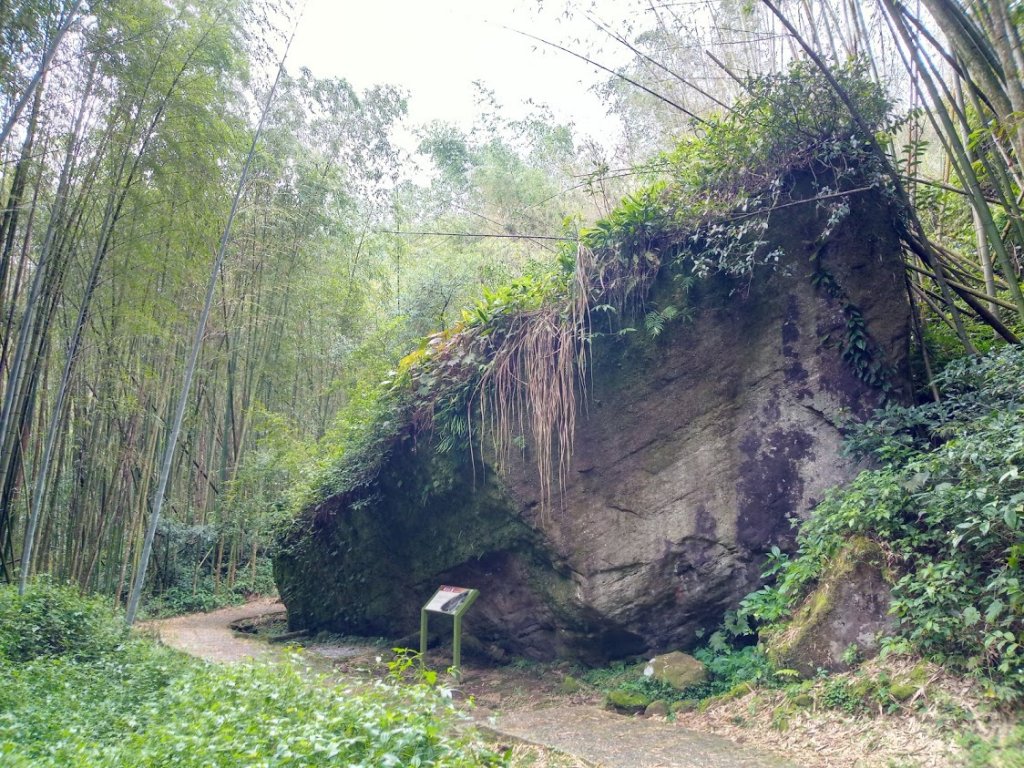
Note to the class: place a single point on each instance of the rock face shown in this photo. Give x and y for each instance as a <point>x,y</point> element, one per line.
<point>848,610</point>
<point>694,451</point>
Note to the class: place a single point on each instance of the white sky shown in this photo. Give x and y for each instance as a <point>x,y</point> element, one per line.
<point>435,49</point>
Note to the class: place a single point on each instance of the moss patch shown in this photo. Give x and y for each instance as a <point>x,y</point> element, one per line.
<point>847,607</point>
<point>626,701</point>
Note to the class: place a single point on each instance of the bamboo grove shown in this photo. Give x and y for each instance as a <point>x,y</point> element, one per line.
<point>123,127</point>
<point>117,177</point>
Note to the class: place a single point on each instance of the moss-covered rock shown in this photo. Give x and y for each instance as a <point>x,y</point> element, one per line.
<point>848,606</point>
<point>366,566</point>
<point>678,669</point>
<point>865,687</point>
<point>657,708</point>
<point>803,700</point>
<point>902,692</point>
<point>570,685</point>
<point>695,451</point>
<point>626,701</point>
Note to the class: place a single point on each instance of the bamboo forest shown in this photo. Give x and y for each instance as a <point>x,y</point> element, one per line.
<point>675,345</point>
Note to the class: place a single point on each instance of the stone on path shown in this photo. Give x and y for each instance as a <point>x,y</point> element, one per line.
<point>607,740</point>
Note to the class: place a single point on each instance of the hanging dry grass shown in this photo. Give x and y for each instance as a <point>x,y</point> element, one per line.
<point>538,373</point>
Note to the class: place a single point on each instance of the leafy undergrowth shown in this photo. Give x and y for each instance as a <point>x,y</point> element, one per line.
<point>177,602</point>
<point>946,505</point>
<point>80,692</point>
<point>729,669</point>
<point>188,595</point>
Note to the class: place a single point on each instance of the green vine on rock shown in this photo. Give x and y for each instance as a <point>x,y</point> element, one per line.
<point>859,351</point>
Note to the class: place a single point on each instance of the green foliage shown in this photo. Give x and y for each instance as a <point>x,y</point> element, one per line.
<point>838,693</point>
<point>656,320</point>
<point>525,294</point>
<point>946,504</point>
<point>728,180</point>
<point>143,705</point>
<point>151,708</point>
<point>50,620</point>
<point>1002,750</point>
<point>184,577</point>
<point>204,597</point>
<point>629,679</point>
<point>728,666</point>
<point>633,227</point>
<point>787,120</point>
<point>858,351</point>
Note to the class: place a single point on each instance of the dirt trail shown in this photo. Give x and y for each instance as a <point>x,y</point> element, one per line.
<point>601,738</point>
<point>513,705</point>
<point>209,635</point>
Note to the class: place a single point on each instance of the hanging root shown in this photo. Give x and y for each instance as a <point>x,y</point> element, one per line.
<point>534,373</point>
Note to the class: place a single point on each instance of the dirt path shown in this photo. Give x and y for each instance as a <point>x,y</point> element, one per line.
<point>601,738</point>
<point>209,635</point>
<point>514,705</point>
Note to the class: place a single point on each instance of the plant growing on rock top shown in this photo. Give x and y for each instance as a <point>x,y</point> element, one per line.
<point>729,180</point>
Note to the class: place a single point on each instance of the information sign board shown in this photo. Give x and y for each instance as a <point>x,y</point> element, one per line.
<point>448,600</point>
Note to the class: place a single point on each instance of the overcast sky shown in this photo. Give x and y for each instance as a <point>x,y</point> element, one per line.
<point>435,49</point>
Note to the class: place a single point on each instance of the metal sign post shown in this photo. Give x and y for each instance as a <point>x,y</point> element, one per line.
<point>454,602</point>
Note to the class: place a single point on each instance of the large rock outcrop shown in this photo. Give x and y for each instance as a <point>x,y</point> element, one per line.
<point>694,452</point>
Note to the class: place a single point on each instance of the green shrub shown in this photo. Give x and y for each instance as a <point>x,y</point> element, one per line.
<point>178,600</point>
<point>78,692</point>
<point>727,667</point>
<point>838,693</point>
<point>148,707</point>
<point>947,505</point>
<point>1004,750</point>
<point>51,620</point>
